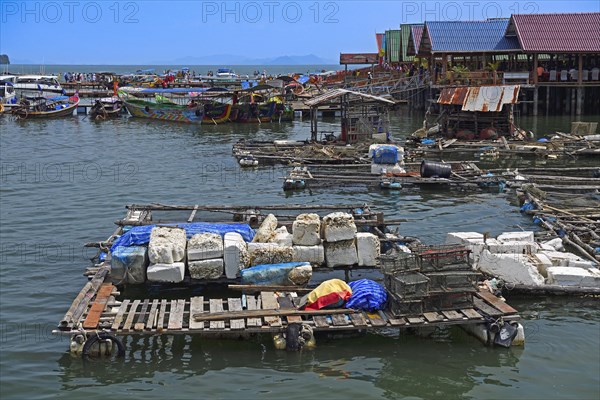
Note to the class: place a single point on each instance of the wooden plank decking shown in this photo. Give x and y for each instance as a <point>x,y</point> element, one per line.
<point>265,312</point>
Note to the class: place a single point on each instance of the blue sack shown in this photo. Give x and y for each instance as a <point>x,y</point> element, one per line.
<point>366,295</point>
<point>140,235</point>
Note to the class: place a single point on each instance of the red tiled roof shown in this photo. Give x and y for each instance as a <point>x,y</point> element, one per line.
<point>559,33</point>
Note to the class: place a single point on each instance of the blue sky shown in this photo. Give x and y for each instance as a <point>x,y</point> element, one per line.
<point>138,32</point>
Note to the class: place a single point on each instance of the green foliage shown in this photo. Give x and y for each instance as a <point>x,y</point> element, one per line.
<point>4,59</point>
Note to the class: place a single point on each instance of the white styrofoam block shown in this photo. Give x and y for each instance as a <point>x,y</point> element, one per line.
<point>167,245</point>
<point>338,226</point>
<point>560,258</point>
<point>512,247</point>
<point>311,254</point>
<point>511,268</point>
<point>205,246</point>
<point>582,264</point>
<point>368,249</point>
<point>206,269</point>
<point>306,230</point>
<point>173,272</point>
<point>570,276</point>
<point>235,254</point>
<point>282,237</point>
<point>522,236</point>
<point>266,230</point>
<point>269,253</point>
<point>462,237</point>
<point>556,243</point>
<point>128,265</point>
<point>543,263</point>
<point>342,253</point>
<point>379,169</point>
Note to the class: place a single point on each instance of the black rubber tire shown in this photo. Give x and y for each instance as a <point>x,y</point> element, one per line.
<point>102,336</point>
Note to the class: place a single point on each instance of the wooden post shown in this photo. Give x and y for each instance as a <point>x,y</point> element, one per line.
<point>535,74</point>
<point>579,76</point>
<point>535,98</point>
<point>547,99</point>
<point>444,64</point>
<point>579,99</point>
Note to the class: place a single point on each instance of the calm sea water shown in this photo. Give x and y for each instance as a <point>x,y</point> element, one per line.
<point>64,182</point>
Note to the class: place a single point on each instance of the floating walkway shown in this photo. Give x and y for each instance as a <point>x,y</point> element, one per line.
<point>265,312</point>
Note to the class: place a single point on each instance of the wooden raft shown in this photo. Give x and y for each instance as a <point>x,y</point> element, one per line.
<point>262,313</point>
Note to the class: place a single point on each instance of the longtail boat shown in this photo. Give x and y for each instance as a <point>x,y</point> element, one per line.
<point>42,107</point>
<point>107,107</point>
<point>216,113</point>
<point>165,111</point>
<point>254,113</point>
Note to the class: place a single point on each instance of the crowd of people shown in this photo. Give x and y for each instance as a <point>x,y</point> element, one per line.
<point>86,77</point>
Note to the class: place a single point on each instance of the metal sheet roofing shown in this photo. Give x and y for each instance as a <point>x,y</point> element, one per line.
<point>414,40</point>
<point>483,99</point>
<point>468,37</point>
<point>336,93</point>
<point>557,33</point>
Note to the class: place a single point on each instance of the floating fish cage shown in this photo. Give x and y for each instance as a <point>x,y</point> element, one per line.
<point>446,257</point>
<point>407,285</point>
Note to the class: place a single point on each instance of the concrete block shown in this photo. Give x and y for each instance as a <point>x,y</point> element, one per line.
<point>235,254</point>
<point>173,272</point>
<point>167,245</point>
<point>571,276</point>
<point>205,246</point>
<point>338,226</point>
<point>282,237</point>
<point>521,236</point>
<point>341,253</point>
<point>269,253</point>
<point>368,249</point>
<point>306,230</point>
<point>311,254</point>
<point>128,265</point>
<point>206,269</point>
<point>511,268</point>
<point>266,231</point>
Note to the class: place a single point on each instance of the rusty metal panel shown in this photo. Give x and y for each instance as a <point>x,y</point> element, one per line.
<point>490,98</point>
<point>454,96</point>
<point>359,58</point>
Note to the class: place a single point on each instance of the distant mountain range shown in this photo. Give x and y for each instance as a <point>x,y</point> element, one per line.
<point>216,59</point>
<point>229,59</point>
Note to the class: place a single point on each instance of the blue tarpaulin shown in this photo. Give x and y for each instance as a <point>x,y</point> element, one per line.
<point>367,295</point>
<point>140,235</point>
<point>386,155</point>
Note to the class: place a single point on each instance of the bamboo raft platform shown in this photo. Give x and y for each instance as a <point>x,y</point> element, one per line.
<point>96,309</point>
<point>464,176</point>
<point>575,219</point>
<point>567,146</point>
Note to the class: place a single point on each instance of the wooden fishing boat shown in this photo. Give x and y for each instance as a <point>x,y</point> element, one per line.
<point>41,107</point>
<point>253,112</point>
<point>165,111</point>
<point>107,107</point>
<point>216,113</point>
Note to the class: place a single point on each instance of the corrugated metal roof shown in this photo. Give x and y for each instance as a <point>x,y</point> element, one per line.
<point>557,33</point>
<point>480,98</point>
<point>405,32</point>
<point>336,93</point>
<point>414,40</point>
<point>468,37</point>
